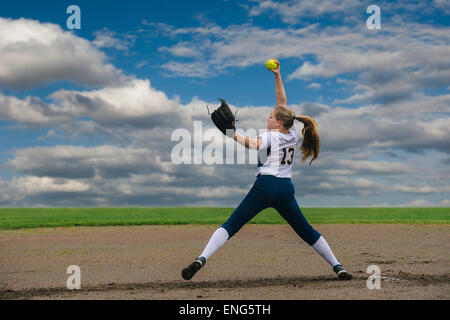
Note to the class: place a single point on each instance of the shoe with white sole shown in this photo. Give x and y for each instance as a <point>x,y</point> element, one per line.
<point>341,273</point>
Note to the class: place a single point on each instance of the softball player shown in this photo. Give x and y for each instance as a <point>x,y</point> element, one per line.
<point>273,186</point>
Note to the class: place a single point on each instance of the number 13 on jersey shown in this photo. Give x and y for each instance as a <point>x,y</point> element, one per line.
<point>287,151</point>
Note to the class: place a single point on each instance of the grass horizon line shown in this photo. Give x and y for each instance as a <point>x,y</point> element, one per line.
<point>38,217</point>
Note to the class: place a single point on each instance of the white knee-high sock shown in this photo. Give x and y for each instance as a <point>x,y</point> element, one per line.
<point>322,248</point>
<point>218,239</point>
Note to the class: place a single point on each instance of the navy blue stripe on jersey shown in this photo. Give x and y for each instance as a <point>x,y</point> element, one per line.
<point>268,153</point>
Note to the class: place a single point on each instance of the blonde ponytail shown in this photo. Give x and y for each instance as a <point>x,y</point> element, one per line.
<point>311,141</point>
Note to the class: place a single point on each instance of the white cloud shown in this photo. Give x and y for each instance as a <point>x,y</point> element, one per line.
<point>85,163</point>
<point>106,38</point>
<point>376,167</point>
<point>422,189</point>
<point>442,5</point>
<point>181,50</point>
<point>315,85</point>
<point>134,102</point>
<point>34,54</point>
<point>183,69</point>
<point>425,203</point>
<point>30,110</point>
<point>292,11</point>
<point>135,99</point>
<point>33,185</point>
<point>405,127</point>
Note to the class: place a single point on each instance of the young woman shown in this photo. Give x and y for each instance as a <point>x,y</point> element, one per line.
<point>273,186</point>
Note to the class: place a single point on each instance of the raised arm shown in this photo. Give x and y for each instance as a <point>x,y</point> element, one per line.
<point>279,88</point>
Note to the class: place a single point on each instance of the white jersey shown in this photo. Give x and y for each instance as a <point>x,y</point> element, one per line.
<point>276,153</point>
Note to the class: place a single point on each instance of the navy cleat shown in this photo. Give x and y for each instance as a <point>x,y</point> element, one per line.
<point>341,273</point>
<point>192,269</point>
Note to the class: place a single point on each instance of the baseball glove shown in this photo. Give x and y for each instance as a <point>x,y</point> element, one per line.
<point>224,119</point>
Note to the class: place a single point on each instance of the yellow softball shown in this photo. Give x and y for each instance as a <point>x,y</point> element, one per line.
<point>271,64</point>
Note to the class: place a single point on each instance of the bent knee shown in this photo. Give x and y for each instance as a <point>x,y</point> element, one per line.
<point>231,229</point>
<point>312,236</point>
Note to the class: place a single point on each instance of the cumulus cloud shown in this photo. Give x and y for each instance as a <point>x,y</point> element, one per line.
<point>84,163</point>
<point>377,127</point>
<point>106,175</point>
<point>132,111</point>
<point>134,102</point>
<point>32,185</point>
<point>33,54</point>
<point>112,175</point>
<point>30,110</point>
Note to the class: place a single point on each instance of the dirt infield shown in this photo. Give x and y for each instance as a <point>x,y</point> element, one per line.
<point>259,262</point>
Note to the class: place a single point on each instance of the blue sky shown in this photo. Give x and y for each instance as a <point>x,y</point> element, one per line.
<point>81,110</point>
<point>132,18</point>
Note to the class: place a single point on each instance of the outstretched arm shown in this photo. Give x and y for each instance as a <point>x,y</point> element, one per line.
<point>249,143</point>
<point>279,88</point>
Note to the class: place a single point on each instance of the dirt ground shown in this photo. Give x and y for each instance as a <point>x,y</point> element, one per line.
<point>260,262</point>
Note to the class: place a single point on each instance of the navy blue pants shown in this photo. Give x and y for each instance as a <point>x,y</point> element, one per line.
<point>270,191</point>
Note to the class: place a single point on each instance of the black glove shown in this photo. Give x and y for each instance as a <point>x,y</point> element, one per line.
<point>224,119</point>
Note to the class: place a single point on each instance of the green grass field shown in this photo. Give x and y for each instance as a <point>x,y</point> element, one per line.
<point>16,218</point>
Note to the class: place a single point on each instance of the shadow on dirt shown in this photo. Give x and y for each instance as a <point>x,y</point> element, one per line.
<point>164,286</point>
